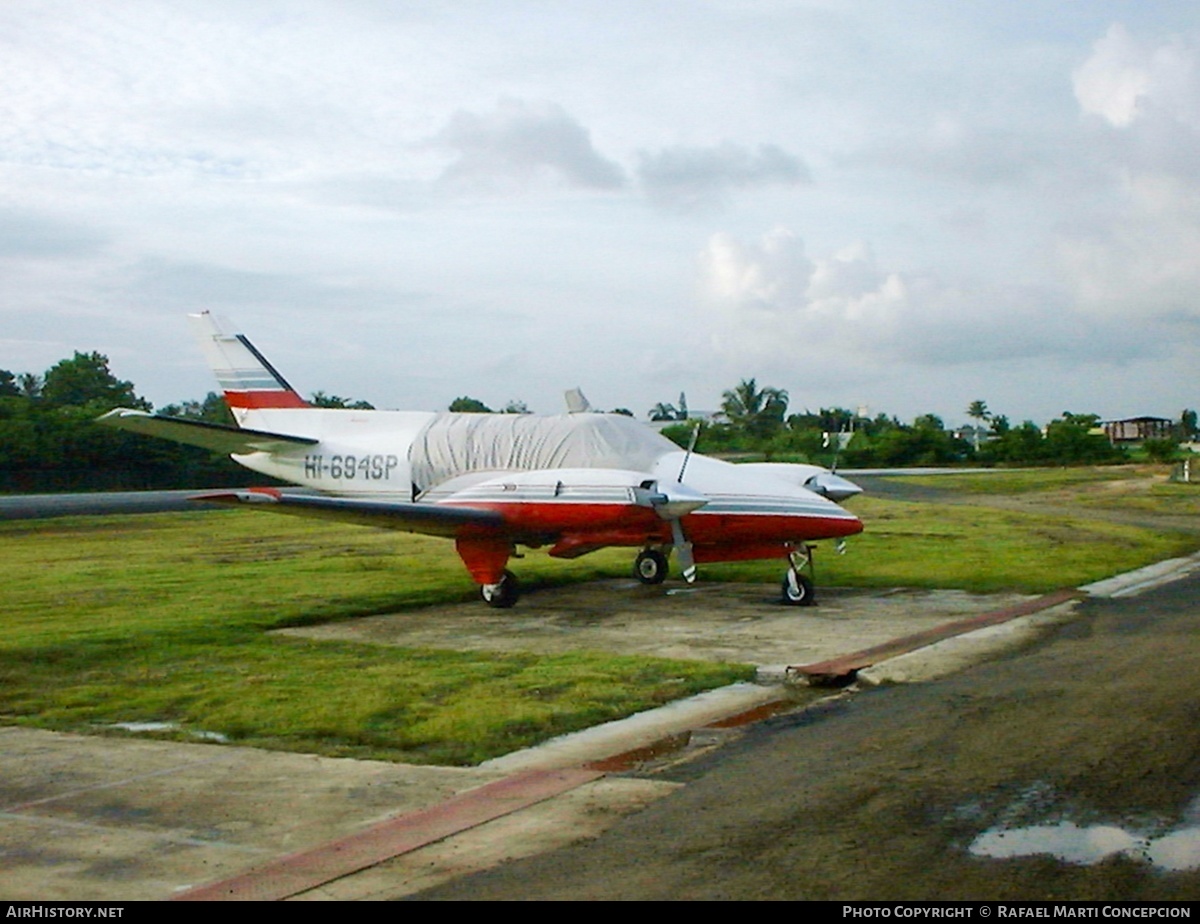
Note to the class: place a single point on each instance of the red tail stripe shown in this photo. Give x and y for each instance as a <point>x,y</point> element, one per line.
<point>253,400</point>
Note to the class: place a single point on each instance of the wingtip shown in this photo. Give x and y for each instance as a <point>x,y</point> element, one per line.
<point>120,413</point>
<point>245,496</point>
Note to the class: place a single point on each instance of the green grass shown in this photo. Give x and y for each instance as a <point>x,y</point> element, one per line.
<point>163,618</point>
<point>1173,499</point>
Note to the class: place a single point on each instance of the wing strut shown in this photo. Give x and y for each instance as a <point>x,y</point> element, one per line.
<point>683,548</point>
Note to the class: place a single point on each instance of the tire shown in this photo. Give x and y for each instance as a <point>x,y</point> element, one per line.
<point>802,594</point>
<point>650,566</point>
<point>503,595</point>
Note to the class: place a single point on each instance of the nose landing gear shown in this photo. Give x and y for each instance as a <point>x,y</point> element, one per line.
<point>798,588</point>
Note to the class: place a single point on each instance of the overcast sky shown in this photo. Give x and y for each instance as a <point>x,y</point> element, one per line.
<point>899,204</point>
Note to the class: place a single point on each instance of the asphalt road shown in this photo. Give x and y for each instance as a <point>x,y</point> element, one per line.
<point>880,794</point>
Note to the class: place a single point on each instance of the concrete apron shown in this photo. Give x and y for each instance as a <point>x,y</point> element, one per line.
<point>116,819</point>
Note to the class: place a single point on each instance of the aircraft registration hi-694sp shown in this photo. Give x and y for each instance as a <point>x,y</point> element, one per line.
<point>493,482</point>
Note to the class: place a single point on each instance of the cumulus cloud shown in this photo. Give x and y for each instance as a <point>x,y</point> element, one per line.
<point>766,275</point>
<point>1139,259</point>
<point>685,178</point>
<point>772,300</point>
<point>1125,79</point>
<point>773,304</point>
<point>520,143</point>
<point>772,293</point>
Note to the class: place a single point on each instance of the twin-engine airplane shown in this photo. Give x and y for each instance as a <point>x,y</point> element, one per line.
<point>493,482</point>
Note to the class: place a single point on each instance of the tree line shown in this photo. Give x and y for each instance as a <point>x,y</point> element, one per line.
<point>49,442</point>
<point>755,420</point>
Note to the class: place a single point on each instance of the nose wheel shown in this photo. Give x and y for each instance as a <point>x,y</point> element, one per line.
<point>798,588</point>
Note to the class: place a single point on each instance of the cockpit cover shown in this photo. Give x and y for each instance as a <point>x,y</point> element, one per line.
<point>456,444</point>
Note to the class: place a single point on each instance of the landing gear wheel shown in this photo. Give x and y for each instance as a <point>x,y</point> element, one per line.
<point>798,590</point>
<point>650,566</point>
<point>501,595</point>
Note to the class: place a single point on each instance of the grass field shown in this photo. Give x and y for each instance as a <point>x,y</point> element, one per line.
<point>164,619</point>
<point>1176,499</point>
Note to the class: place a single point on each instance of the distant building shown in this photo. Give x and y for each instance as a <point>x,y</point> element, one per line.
<point>976,436</point>
<point>1137,429</point>
<point>693,417</point>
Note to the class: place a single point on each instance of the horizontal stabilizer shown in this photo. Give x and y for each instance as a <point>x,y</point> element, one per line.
<point>216,437</point>
<point>427,519</point>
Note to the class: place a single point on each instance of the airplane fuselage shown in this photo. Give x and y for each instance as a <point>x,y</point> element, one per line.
<point>739,512</point>
<point>358,453</point>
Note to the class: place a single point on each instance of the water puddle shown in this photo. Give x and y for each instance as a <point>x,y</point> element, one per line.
<point>150,727</point>
<point>144,726</point>
<point>1175,850</point>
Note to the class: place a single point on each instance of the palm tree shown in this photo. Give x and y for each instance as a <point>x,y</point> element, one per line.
<point>30,384</point>
<point>978,410</point>
<point>663,411</point>
<point>752,410</point>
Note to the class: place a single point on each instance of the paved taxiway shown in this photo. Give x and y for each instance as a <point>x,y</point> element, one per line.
<point>1078,757</point>
<point>120,819</point>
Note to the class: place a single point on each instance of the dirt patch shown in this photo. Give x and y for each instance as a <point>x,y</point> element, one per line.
<point>742,623</point>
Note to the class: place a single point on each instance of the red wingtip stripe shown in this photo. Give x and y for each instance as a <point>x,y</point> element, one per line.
<point>254,400</point>
<point>270,492</point>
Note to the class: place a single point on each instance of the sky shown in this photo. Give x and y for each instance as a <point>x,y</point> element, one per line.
<point>896,205</point>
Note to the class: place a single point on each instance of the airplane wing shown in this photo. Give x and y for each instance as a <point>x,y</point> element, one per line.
<point>216,437</point>
<point>427,519</point>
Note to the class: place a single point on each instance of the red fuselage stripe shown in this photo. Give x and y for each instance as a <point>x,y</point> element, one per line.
<point>607,521</point>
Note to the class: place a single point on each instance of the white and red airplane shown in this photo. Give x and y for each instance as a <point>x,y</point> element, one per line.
<point>493,482</point>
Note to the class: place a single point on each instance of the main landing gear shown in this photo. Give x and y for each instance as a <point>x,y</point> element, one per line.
<point>650,566</point>
<point>501,595</point>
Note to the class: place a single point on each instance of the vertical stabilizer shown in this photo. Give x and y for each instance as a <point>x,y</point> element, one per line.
<point>576,402</point>
<point>250,382</point>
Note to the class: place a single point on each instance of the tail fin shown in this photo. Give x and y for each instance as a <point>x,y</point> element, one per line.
<point>248,380</point>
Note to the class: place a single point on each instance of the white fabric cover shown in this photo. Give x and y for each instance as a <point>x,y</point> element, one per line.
<point>456,444</point>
